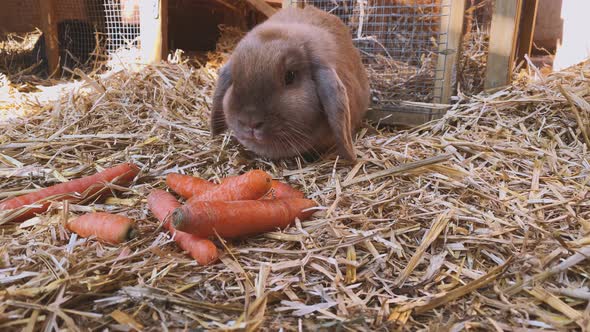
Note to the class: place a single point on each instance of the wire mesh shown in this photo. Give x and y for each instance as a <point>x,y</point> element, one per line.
<point>79,27</point>
<point>91,29</point>
<point>122,24</point>
<point>400,42</point>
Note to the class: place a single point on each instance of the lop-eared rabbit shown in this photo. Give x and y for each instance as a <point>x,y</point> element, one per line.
<point>294,84</point>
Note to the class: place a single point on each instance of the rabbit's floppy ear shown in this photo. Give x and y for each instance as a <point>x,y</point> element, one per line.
<point>224,82</point>
<point>334,100</point>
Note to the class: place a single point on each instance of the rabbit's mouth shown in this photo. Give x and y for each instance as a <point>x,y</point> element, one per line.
<point>251,137</point>
<point>282,142</point>
<point>268,148</point>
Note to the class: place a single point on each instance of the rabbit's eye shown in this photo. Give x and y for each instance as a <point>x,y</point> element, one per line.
<point>289,77</point>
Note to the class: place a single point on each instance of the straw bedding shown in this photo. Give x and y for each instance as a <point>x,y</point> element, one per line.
<point>478,221</point>
<point>21,55</point>
<point>474,48</point>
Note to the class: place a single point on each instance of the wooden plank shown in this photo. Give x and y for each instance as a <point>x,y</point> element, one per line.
<point>291,3</point>
<point>262,7</point>
<point>407,114</point>
<point>449,48</point>
<point>165,48</point>
<point>153,23</point>
<point>503,33</point>
<point>526,29</point>
<point>49,27</point>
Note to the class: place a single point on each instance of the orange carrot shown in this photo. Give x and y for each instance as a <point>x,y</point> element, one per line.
<point>248,186</point>
<point>232,219</point>
<point>188,186</point>
<point>123,173</point>
<point>162,203</point>
<point>107,227</point>
<point>282,190</point>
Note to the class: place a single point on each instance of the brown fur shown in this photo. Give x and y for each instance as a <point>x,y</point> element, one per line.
<point>322,107</point>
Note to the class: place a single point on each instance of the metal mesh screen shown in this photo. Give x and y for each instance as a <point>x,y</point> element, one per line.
<point>400,43</point>
<point>96,28</point>
<point>79,28</point>
<point>122,24</point>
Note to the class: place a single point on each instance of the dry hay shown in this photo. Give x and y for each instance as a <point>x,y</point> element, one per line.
<point>491,232</point>
<point>16,44</point>
<point>472,62</point>
<point>393,80</point>
<point>474,47</point>
<point>21,54</point>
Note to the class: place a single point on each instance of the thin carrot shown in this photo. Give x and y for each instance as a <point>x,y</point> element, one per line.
<point>248,186</point>
<point>282,190</point>
<point>107,227</point>
<point>162,203</point>
<point>88,185</point>
<point>188,186</point>
<point>232,219</point>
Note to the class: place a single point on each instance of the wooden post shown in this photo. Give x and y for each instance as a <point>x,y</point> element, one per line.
<point>153,24</point>
<point>164,28</point>
<point>275,3</point>
<point>49,27</point>
<point>503,33</point>
<point>291,3</point>
<point>451,22</point>
<point>262,7</point>
<point>527,29</point>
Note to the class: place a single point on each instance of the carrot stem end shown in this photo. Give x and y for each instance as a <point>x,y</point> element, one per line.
<point>177,218</point>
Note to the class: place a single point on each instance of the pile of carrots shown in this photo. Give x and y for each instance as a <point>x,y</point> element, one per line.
<point>248,204</point>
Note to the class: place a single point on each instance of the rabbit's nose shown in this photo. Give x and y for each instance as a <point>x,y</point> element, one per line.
<point>257,125</point>
<point>253,124</point>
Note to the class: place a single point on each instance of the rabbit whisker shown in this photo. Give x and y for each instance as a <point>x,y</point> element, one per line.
<point>290,143</point>
<point>298,140</point>
<point>299,133</point>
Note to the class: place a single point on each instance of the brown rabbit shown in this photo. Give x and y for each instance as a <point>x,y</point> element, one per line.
<point>294,84</point>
